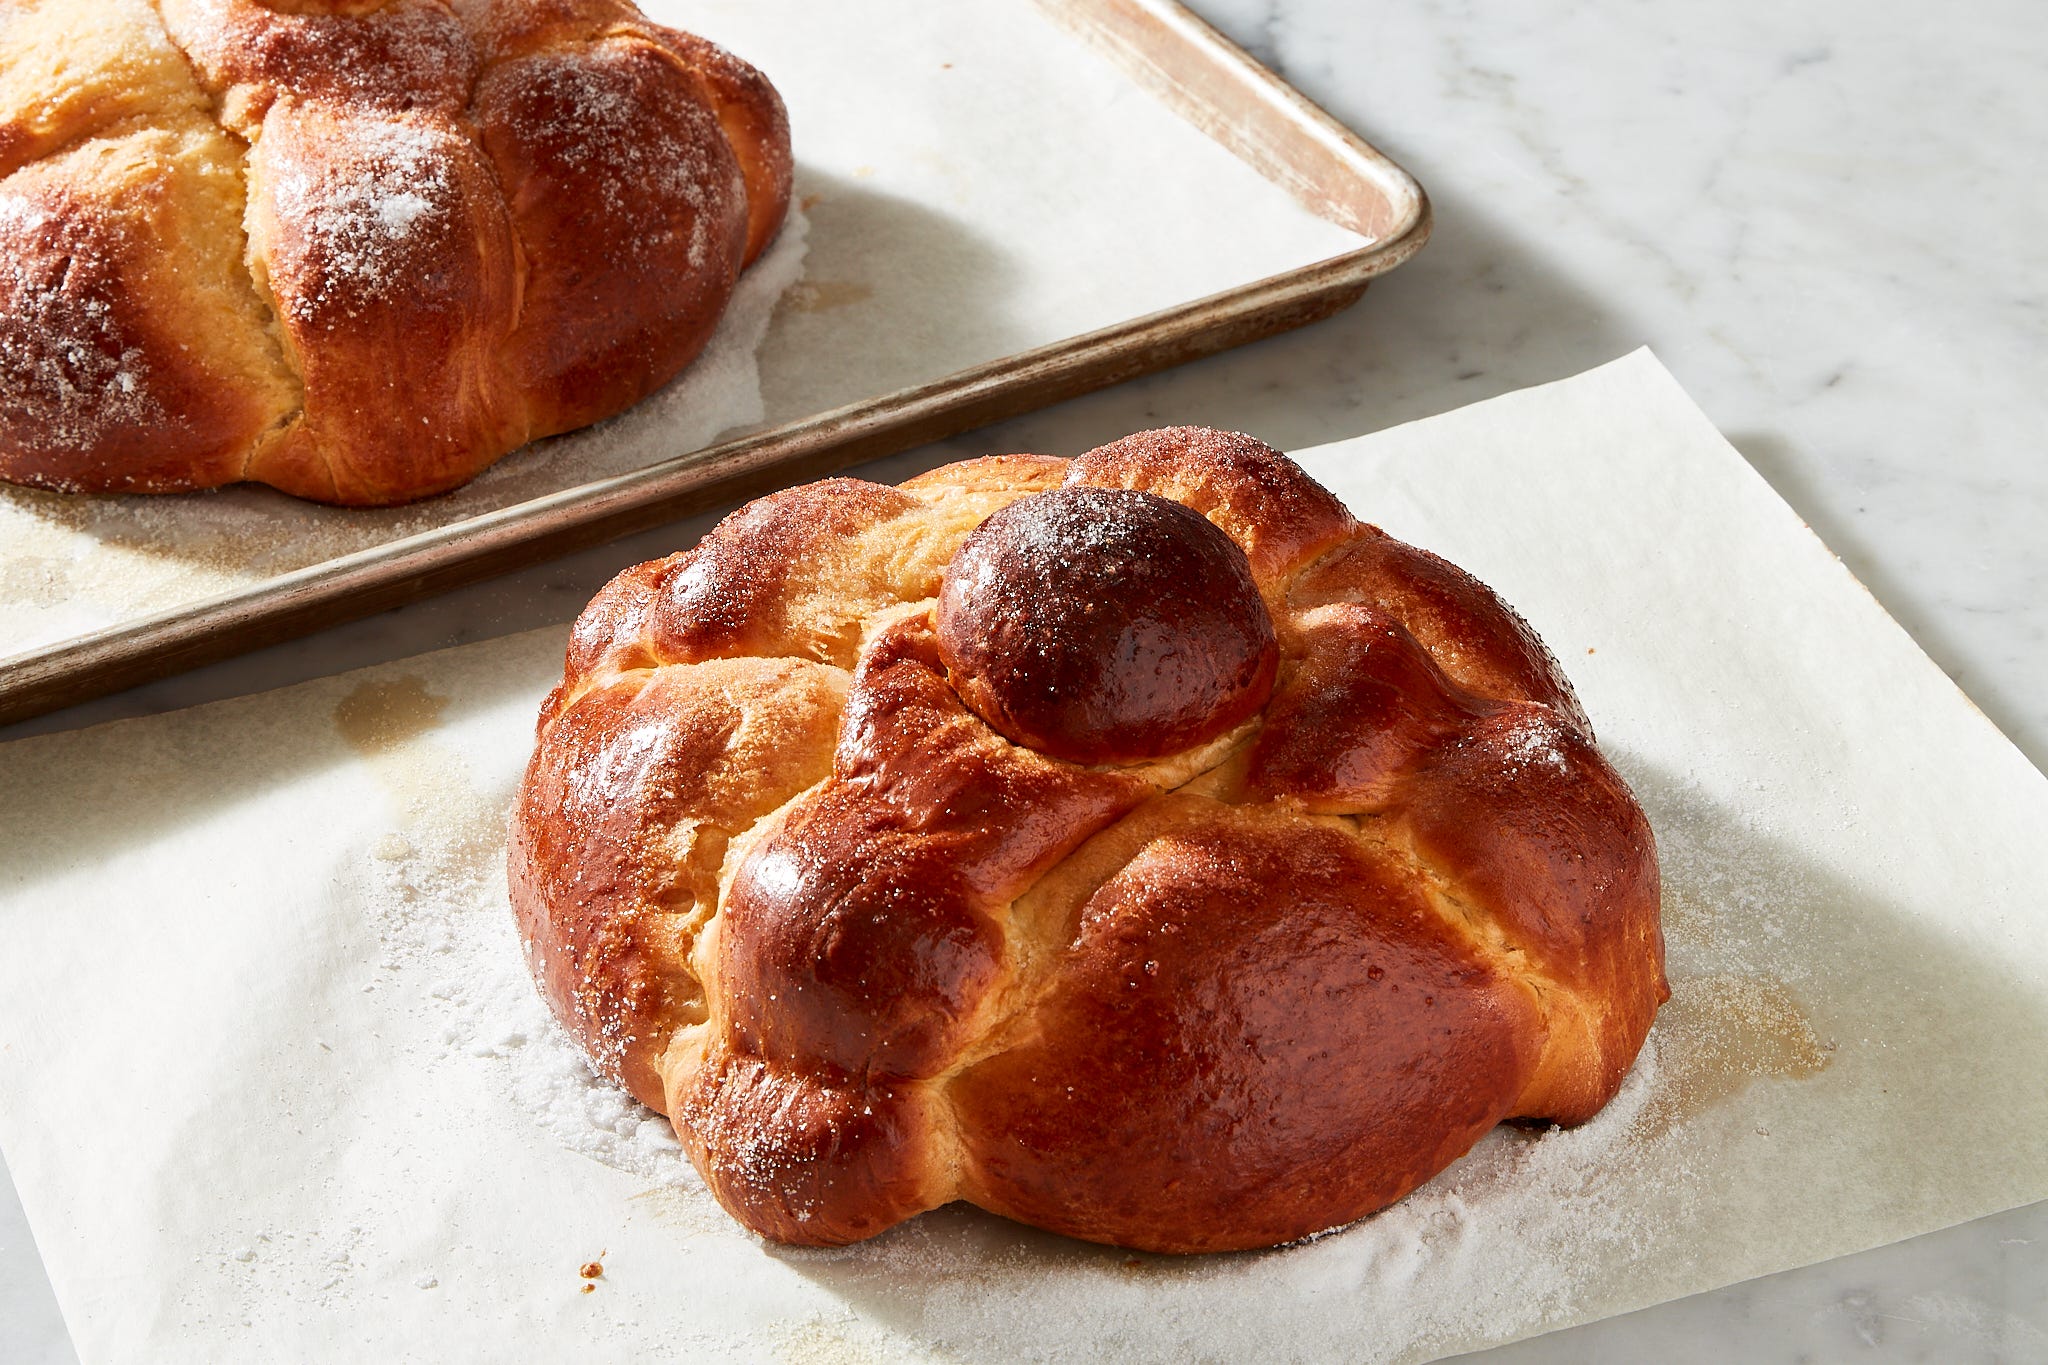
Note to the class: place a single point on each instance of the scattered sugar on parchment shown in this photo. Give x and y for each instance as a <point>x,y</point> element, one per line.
<point>437,898</point>
<point>462,943</point>
<point>312,1264</point>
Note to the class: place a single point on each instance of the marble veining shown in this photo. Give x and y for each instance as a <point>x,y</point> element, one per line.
<point>1819,214</point>
<point>1827,219</point>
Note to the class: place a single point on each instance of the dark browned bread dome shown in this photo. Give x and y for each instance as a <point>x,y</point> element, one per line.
<point>1105,625</point>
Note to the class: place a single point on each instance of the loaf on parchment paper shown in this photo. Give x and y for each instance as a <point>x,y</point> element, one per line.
<point>1137,846</point>
<point>357,249</point>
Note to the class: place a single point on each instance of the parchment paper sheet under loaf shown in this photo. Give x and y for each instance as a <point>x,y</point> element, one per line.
<point>272,1085</point>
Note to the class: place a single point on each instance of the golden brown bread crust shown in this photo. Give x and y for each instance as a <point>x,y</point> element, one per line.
<point>1259,1032</point>
<point>357,250</point>
<point>777,869</point>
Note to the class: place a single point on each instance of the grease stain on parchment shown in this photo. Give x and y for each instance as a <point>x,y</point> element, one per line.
<point>1732,916</point>
<point>1721,1033</point>
<point>847,1341</point>
<point>390,724</point>
<point>376,717</point>
<point>685,1205</point>
<point>823,296</point>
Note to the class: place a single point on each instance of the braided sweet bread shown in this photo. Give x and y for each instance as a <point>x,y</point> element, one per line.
<point>357,249</point>
<point>1136,846</point>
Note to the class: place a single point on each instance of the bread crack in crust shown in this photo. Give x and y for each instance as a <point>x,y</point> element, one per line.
<point>357,249</point>
<point>1136,846</point>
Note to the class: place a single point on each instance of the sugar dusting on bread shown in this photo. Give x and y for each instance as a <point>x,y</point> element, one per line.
<point>1533,739</point>
<point>406,175</point>
<point>77,369</point>
<point>396,183</point>
<point>592,105</point>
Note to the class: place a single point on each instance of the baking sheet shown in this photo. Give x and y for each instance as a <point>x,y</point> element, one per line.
<point>979,183</point>
<point>271,1079</point>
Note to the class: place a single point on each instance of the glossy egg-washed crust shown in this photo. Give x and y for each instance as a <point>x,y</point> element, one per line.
<point>357,249</point>
<point>783,880</point>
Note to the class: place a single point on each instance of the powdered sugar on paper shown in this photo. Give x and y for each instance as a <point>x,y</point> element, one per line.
<point>435,893</point>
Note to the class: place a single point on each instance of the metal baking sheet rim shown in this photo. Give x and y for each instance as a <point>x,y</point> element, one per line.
<point>1160,44</point>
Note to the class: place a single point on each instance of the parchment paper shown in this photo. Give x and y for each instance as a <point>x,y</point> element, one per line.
<point>978,182</point>
<point>272,1084</point>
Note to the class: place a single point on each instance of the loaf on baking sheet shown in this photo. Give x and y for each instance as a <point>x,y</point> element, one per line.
<point>1137,846</point>
<point>357,249</point>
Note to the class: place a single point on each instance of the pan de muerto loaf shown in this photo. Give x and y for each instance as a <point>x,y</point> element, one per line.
<point>357,249</point>
<point>1136,846</point>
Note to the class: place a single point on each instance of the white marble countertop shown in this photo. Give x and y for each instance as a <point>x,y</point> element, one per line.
<point>1825,216</point>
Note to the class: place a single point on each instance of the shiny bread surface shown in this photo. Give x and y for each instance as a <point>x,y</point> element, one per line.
<point>807,857</point>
